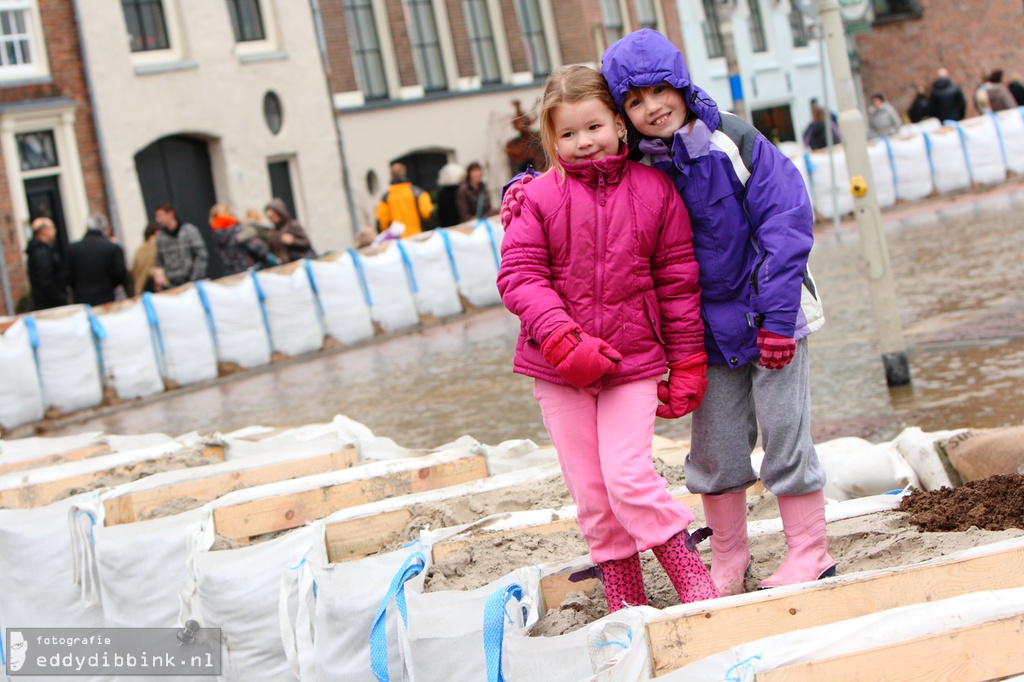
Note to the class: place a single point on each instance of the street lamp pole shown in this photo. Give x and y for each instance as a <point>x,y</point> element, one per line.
<point>732,64</point>
<point>865,202</point>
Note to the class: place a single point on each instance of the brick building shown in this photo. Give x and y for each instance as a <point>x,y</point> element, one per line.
<point>911,39</point>
<point>50,163</point>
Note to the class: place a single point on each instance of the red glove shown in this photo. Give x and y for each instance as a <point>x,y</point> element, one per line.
<point>579,358</point>
<point>777,351</point>
<point>512,198</point>
<point>685,387</point>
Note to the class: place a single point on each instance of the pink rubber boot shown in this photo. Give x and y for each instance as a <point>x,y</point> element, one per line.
<point>679,557</point>
<point>803,521</point>
<point>623,583</point>
<point>730,553</point>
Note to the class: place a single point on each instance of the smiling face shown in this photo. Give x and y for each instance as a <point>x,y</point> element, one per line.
<point>656,111</point>
<point>586,131</point>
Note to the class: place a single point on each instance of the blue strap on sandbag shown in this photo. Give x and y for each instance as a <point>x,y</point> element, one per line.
<point>928,153</point>
<point>967,156</point>
<point>495,615</point>
<point>210,322</point>
<point>410,276</point>
<point>154,330</point>
<point>999,135</point>
<point>494,247</point>
<point>308,265</point>
<point>892,162</point>
<point>99,333</point>
<point>451,255</point>
<point>33,341</point>
<point>412,567</point>
<point>261,297</point>
<point>357,262</point>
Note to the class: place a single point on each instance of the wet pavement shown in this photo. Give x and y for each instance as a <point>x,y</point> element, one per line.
<point>958,266</point>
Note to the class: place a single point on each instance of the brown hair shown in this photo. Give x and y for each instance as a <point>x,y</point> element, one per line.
<point>569,85</point>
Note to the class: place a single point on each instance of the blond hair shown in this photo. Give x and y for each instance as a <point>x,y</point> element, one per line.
<point>570,85</point>
<point>220,209</point>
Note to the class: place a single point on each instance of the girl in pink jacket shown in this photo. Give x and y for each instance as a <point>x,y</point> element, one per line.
<point>599,268</point>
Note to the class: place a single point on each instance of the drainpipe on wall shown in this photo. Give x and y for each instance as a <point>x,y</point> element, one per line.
<point>112,216</point>
<point>5,281</point>
<point>325,62</point>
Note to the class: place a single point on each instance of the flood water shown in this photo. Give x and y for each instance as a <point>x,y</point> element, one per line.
<point>958,266</point>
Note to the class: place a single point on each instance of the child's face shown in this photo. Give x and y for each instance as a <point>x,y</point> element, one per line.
<point>586,131</point>
<point>656,111</point>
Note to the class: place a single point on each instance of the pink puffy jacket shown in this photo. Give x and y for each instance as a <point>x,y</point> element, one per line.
<point>609,247</point>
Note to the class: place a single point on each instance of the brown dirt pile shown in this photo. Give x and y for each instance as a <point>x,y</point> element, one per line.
<point>994,503</point>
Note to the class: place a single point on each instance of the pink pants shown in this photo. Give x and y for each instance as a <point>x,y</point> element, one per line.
<point>603,439</point>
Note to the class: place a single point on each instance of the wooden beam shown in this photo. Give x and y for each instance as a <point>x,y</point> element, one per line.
<point>45,492</point>
<point>555,588</point>
<point>242,521</point>
<point>134,506</point>
<point>59,458</point>
<point>984,651</point>
<point>679,639</point>
<point>361,537</point>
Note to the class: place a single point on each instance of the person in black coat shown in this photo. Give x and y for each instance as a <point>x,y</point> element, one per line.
<point>918,110</point>
<point>44,270</point>
<point>947,101</point>
<point>95,265</point>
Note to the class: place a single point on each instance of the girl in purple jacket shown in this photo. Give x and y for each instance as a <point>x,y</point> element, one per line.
<point>599,267</point>
<point>752,226</point>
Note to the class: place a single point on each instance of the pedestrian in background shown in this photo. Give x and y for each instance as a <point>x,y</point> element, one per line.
<point>815,134</point>
<point>403,203</point>
<point>144,260</point>
<point>238,252</point>
<point>95,266</point>
<point>45,273</point>
<point>288,241</point>
<point>998,95</point>
<point>946,101</point>
<point>918,110</point>
<point>181,254</point>
<point>883,119</point>
<point>606,294</point>
<point>449,178</point>
<point>472,199</point>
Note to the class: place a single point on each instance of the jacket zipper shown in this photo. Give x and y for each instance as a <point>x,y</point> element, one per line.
<point>599,243</point>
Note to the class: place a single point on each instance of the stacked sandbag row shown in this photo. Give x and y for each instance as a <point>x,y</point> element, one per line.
<point>923,159</point>
<point>71,358</point>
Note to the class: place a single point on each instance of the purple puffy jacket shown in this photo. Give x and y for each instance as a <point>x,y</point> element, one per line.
<point>609,246</point>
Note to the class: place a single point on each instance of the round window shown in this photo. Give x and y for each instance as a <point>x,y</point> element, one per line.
<point>371,182</point>
<point>272,112</point>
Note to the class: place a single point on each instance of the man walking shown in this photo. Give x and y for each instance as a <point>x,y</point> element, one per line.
<point>95,265</point>
<point>403,203</point>
<point>181,254</point>
<point>946,101</point>
<point>45,275</point>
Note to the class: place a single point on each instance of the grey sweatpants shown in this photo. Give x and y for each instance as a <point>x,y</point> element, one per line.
<point>724,430</point>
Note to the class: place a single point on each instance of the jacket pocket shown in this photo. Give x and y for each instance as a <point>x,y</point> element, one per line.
<point>653,313</point>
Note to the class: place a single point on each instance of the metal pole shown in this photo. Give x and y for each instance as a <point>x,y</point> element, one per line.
<point>866,210</point>
<point>829,142</point>
<point>726,7</point>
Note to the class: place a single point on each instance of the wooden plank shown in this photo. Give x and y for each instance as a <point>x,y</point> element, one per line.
<point>985,651</point>
<point>59,458</point>
<point>131,507</point>
<point>45,492</point>
<point>281,512</point>
<point>679,639</point>
<point>364,536</point>
<point>555,588</point>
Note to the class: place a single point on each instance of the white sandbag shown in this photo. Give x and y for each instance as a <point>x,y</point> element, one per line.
<point>291,309</point>
<point>819,169</point>
<point>984,153</point>
<point>950,171</point>
<point>239,325</point>
<point>433,281</point>
<point>881,172</point>
<point>1010,125</point>
<point>21,395</point>
<point>795,153</point>
<point>476,255</point>
<point>130,362</point>
<point>911,166</point>
<point>68,362</point>
<point>857,468</point>
<point>187,353</point>
<point>343,297</point>
<point>919,450</point>
<point>387,283</point>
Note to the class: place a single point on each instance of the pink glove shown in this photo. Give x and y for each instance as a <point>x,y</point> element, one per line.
<point>685,387</point>
<point>579,358</point>
<point>512,199</point>
<point>777,351</point>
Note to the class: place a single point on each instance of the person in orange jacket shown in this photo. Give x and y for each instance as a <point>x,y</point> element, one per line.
<point>403,203</point>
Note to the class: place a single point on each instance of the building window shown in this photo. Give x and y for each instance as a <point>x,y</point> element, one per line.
<point>896,10</point>
<point>362,37</point>
<point>757,39</point>
<point>614,28</point>
<point>481,40</point>
<point>712,31</point>
<point>531,25</point>
<point>798,26</point>
<point>273,114</point>
<point>37,150</point>
<point>646,14</point>
<point>426,45</point>
<point>15,35</point>
<point>147,26</point>
<point>246,20</point>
